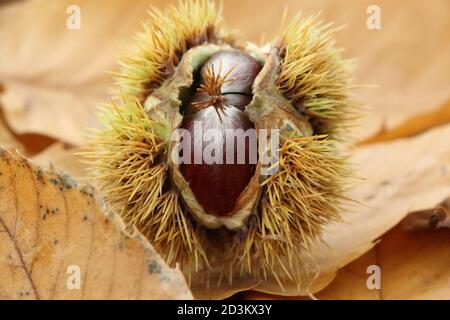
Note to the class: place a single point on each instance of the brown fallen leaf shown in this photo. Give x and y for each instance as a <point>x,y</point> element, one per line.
<point>350,283</point>
<point>53,76</point>
<point>51,229</point>
<point>398,177</point>
<point>413,265</point>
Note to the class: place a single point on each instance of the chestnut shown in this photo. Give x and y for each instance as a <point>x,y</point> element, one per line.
<point>225,89</point>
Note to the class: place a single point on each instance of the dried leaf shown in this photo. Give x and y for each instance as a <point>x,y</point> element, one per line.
<point>49,225</point>
<point>413,265</point>
<point>53,76</point>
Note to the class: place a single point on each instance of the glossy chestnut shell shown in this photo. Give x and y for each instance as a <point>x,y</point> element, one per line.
<point>221,110</point>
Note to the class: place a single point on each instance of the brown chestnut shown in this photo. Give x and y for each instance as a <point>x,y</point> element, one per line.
<point>225,90</point>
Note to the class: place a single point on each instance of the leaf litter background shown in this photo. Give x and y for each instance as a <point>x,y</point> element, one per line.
<point>52,78</point>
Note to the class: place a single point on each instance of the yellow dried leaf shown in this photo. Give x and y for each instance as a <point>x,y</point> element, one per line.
<point>56,236</point>
<point>54,76</point>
